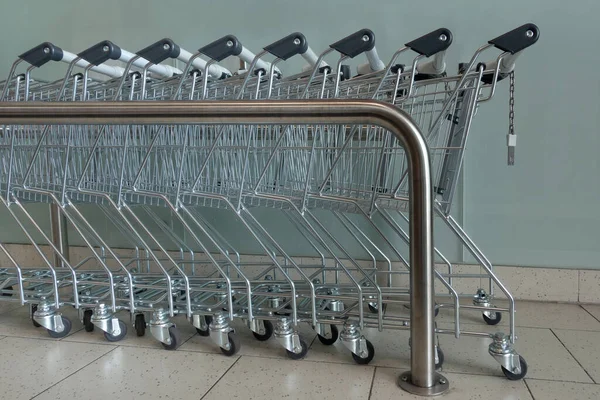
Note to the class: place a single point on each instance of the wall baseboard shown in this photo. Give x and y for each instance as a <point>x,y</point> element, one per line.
<point>569,285</point>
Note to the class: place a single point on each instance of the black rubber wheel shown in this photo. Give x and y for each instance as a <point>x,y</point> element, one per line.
<point>301,355</point>
<point>87,321</point>
<point>57,335</point>
<point>234,345</point>
<point>374,309</point>
<point>371,353</point>
<point>268,332</point>
<point>112,338</point>
<point>440,362</point>
<point>494,320</point>
<point>334,336</point>
<point>516,377</point>
<point>140,325</point>
<point>175,336</point>
<point>205,333</point>
<point>34,308</point>
<point>7,294</point>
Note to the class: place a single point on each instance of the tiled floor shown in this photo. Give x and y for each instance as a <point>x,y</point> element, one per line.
<point>561,343</point>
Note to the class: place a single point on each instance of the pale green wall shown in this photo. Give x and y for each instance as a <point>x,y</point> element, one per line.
<point>540,212</point>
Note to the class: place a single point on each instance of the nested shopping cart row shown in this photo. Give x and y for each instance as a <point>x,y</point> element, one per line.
<point>338,190</point>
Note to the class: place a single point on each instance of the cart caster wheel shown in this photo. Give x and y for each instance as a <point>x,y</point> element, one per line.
<point>57,335</point>
<point>268,332</point>
<point>373,309</point>
<point>363,361</point>
<point>495,320</point>
<point>234,345</point>
<point>205,333</point>
<point>516,377</point>
<point>334,336</point>
<point>7,294</point>
<point>140,325</point>
<point>302,354</point>
<point>33,310</point>
<point>87,321</point>
<point>175,336</point>
<point>112,338</point>
<point>440,362</point>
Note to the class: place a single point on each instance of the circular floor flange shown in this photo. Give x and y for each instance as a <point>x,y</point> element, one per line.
<point>440,387</point>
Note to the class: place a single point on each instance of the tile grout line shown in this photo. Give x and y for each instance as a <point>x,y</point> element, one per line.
<point>476,375</point>
<point>572,355</point>
<point>106,343</point>
<point>312,342</point>
<point>372,383</point>
<point>555,380</point>
<point>70,375</point>
<point>586,310</point>
<point>190,338</point>
<point>221,377</point>
<point>304,360</point>
<point>70,334</point>
<point>528,389</point>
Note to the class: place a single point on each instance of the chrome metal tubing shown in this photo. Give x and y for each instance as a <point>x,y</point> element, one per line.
<point>422,374</point>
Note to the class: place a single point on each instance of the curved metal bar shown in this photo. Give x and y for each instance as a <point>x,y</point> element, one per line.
<point>369,112</point>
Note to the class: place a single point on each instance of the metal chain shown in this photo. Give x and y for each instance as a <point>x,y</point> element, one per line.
<point>511,105</point>
<point>512,137</point>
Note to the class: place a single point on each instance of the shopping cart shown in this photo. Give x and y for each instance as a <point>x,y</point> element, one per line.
<point>350,172</point>
<point>443,105</point>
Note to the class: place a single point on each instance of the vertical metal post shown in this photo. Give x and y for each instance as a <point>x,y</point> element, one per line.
<point>60,239</point>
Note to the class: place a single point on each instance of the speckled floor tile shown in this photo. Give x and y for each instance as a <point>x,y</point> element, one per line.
<point>129,372</point>
<point>589,286</point>
<point>35,365</point>
<point>546,357</point>
<point>264,379</point>
<point>6,307</point>
<point>249,344</point>
<point>548,390</point>
<point>593,309</point>
<point>533,315</point>
<point>585,347</point>
<point>391,349</point>
<point>462,387</point>
<point>17,323</point>
<point>131,339</point>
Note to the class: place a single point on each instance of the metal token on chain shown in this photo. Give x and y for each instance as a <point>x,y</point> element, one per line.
<point>512,136</point>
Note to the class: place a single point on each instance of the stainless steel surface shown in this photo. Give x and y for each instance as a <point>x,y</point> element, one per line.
<point>290,112</point>
<point>440,386</point>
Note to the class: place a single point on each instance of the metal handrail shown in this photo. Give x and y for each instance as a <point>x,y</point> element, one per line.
<point>422,379</point>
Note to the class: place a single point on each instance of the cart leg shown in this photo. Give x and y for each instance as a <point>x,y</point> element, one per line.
<point>223,334</point>
<point>113,328</point>
<point>362,350</point>
<point>48,316</point>
<point>290,340</point>
<point>163,330</point>
<point>513,365</point>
